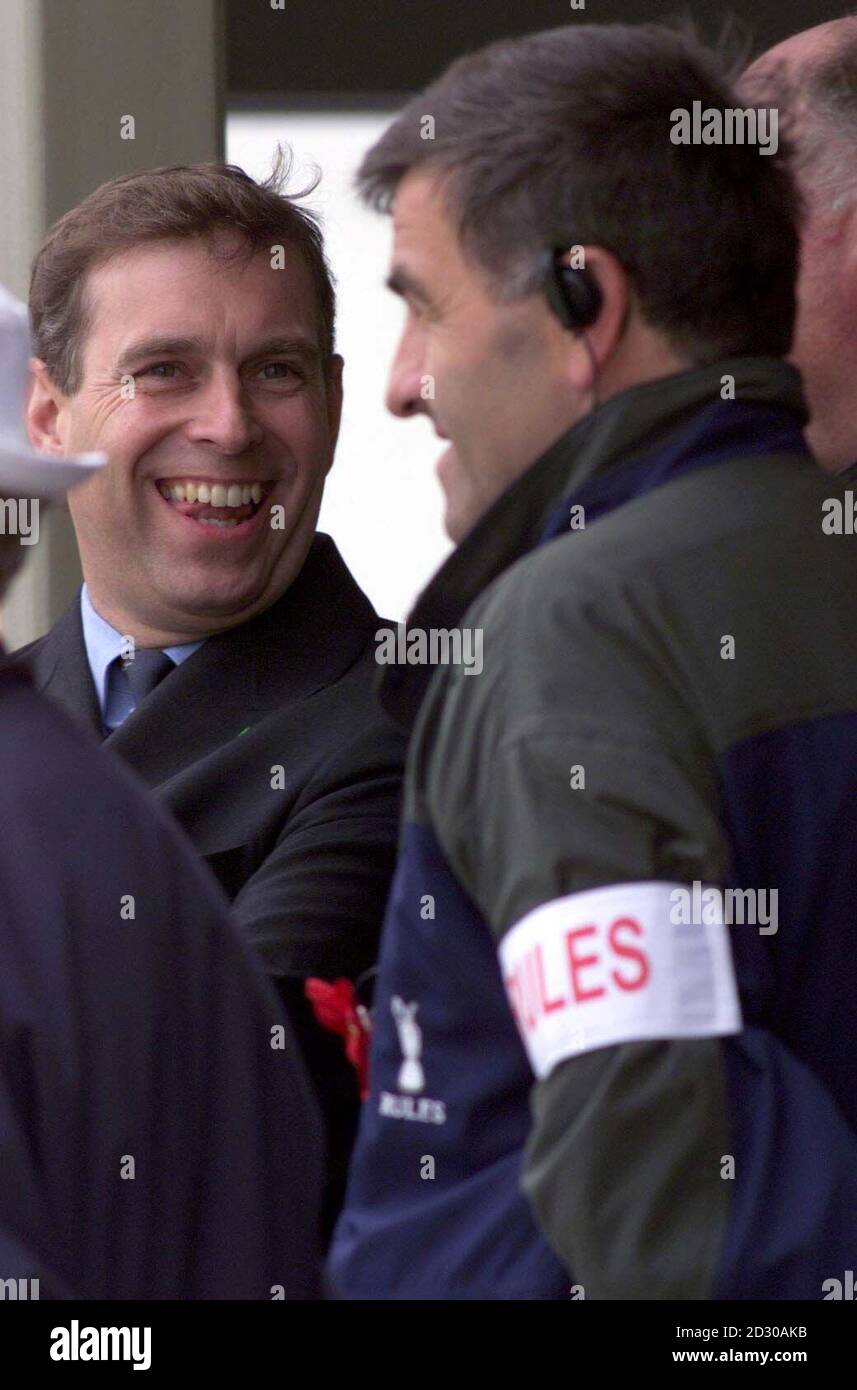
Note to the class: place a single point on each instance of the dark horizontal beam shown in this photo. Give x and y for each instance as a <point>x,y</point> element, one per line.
<point>393,46</point>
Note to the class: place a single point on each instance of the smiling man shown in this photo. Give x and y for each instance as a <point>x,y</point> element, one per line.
<point>136,1069</point>
<point>212,426</point>
<point>574,1088</point>
<point>183,321</point>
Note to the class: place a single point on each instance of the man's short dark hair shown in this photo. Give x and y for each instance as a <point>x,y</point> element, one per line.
<point>562,138</point>
<point>181,202</point>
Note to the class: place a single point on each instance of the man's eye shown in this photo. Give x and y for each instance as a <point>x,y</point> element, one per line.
<point>277,371</point>
<point>161,371</point>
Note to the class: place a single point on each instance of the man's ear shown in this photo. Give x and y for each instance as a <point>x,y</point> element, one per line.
<point>333,390</point>
<point>44,403</point>
<point>602,336</point>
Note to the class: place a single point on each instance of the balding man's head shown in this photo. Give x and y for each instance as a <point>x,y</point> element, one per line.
<point>812,79</point>
<point>795,55</point>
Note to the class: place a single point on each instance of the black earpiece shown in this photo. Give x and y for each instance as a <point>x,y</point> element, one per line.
<point>572,293</point>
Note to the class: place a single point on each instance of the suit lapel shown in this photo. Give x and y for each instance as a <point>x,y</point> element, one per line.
<point>185,717</point>
<point>305,641</point>
<point>59,668</point>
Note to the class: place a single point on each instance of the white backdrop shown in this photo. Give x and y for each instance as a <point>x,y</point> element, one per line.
<point>383,503</point>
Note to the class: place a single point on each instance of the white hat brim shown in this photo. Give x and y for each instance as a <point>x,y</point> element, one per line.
<point>29,474</point>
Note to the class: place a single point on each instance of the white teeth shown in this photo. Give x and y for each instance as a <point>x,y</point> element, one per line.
<point>214,494</point>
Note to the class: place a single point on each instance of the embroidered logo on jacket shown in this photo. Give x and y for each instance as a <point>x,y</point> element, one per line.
<point>411,1075</point>
<point>411,1078</point>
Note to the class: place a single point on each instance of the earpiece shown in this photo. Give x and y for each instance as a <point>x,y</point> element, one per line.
<point>572,293</point>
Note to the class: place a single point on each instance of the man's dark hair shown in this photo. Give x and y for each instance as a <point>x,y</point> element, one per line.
<point>182,202</point>
<point>562,138</point>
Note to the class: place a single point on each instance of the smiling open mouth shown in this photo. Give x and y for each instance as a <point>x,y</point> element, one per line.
<point>222,505</point>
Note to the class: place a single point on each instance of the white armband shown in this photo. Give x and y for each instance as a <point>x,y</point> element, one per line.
<point>611,966</point>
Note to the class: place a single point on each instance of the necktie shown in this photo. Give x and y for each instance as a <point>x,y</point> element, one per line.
<point>146,671</point>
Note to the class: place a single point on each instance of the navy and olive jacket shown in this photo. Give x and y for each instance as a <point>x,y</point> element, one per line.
<point>585,1074</point>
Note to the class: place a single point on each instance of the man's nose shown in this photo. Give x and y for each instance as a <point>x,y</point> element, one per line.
<point>405,395</point>
<point>222,416</point>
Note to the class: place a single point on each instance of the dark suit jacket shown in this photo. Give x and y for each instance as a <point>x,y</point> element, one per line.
<point>306,864</point>
<point>147,1036</point>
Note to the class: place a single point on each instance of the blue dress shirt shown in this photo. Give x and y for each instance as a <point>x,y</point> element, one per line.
<point>103,644</point>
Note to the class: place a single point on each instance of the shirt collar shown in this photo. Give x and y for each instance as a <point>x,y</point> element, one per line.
<point>616,433</point>
<point>103,644</point>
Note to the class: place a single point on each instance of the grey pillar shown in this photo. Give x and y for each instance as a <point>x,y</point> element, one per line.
<point>70,70</point>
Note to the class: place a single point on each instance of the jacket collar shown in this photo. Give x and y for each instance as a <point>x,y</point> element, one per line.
<point>619,434</point>
<point>306,640</point>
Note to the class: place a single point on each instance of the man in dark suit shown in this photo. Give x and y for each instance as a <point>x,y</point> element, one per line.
<point>183,322</point>
<point>158,1137</point>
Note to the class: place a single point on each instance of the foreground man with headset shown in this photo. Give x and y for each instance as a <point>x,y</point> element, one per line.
<point>617,971</point>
